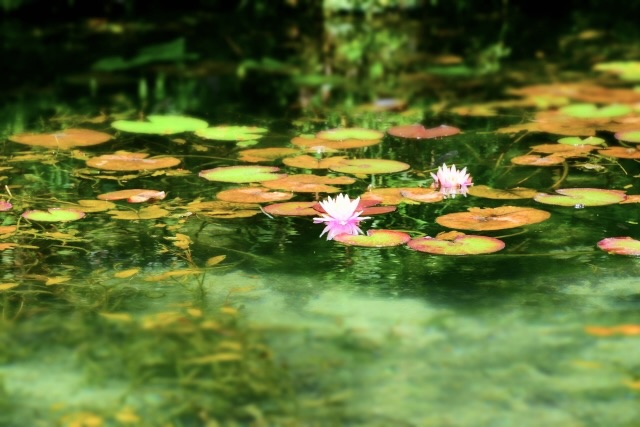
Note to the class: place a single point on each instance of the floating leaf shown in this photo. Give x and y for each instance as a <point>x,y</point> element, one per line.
<point>93,206</point>
<point>231,133</point>
<point>292,209</point>
<point>576,140</point>
<point>63,139</point>
<point>389,196</point>
<point>591,111</point>
<point>422,195</point>
<point>374,238</point>
<point>56,280</point>
<point>239,174</point>
<point>54,215</point>
<point>626,70</point>
<point>629,136</point>
<point>581,197</point>
<point>5,206</point>
<point>161,125</point>
<point>150,212</point>
<point>324,145</point>
<point>125,161</point>
<point>253,195</point>
<point>369,166</point>
<point>564,150</point>
<point>456,243</point>
<point>226,210</point>
<point>418,131</point>
<point>493,193</point>
<point>310,162</point>
<point>134,195</point>
<point>342,134</point>
<point>256,155</point>
<point>309,183</point>
<point>536,160</point>
<point>620,246</point>
<point>215,260</point>
<point>621,152</point>
<point>482,219</point>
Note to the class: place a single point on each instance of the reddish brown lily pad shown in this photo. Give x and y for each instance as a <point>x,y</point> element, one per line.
<point>581,197</point>
<point>535,160</point>
<point>5,206</point>
<point>311,162</point>
<point>135,195</point>
<point>481,219</point>
<point>621,152</point>
<point>564,150</point>
<point>389,196</point>
<point>252,195</point>
<point>126,161</point>
<point>620,246</point>
<point>309,183</point>
<point>499,194</point>
<point>63,139</point>
<point>369,166</point>
<point>456,243</point>
<point>325,145</point>
<point>418,131</point>
<point>374,239</point>
<point>422,195</point>
<point>292,209</point>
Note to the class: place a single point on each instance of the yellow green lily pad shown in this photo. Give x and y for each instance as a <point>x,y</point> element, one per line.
<point>369,166</point>
<point>240,174</point>
<point>342,134</point>
<point>231,133</point>
<point>629,136</point>
<point>54,215</point>
<point>456,243</point>
<point>581,197</point>
<point>374,239</point>
<point>160,125</point>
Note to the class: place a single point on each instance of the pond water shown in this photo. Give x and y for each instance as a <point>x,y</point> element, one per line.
<point>184,310</point>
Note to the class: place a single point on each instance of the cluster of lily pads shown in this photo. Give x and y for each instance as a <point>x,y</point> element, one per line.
<point>269,188</point>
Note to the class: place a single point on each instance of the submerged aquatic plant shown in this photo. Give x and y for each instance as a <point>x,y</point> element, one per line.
<point>340,216</point>
<point>450,181</point>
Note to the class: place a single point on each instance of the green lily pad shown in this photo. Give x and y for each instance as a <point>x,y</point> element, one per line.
<point>240,174</point>
<point>231,133</point>
<point>620,245</point>
<point>374,239</point>
<point>341,134</point>
<point>576,140</point>
<point>369,166</point>
<point>54,215</point>
<point>161,125</point>
<point>591,111</point>
<point>581,197</point>
<point>456,243</point>
<point>626,70</point>
<point>630,136</point>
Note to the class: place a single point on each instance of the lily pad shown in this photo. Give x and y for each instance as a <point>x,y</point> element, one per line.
<point>231,133</point>
<point>5,206</point>
<point>422,195</point>
<point>134,195</point>
<point>369,166</point>
<point>576,140</point>
<point>564,150</point>
<point>223,209</point>
<point>125,161</point>
<point>621,152</point>
<point>292,209</point>
<point>536,160</point>
<point>63,139</point>
<point>301,183</point>
<point>240,174</point>
<point>256,155</point>
<point>481,219</point>
<point>389,196</point>
<point>581,197</point>
<point>629,136</point>
<point>342,134</point>
<point>499,194</point>
<point>311,162</point>
<point>620,246</point>
<point>418,131</point>
<point>456,243</point>
<point>161,125</point>
<point>591,111</point>
<point>325,145</point>
<point>54,215</point>
<point>253,195</point>
<point>374,239</point>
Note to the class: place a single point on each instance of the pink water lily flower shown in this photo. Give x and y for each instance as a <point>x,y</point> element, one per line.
<point>340,216</point>
<point>450,181</point>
